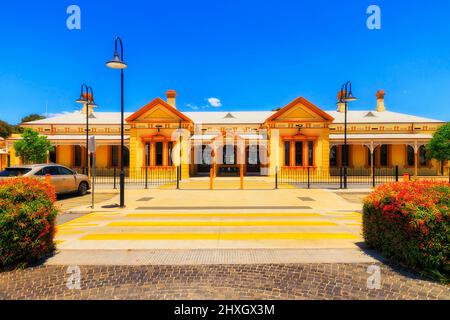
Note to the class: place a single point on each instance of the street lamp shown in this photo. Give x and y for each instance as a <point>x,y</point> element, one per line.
<point>346,96</point>
<point>118,63</point>
<point>87,99</point>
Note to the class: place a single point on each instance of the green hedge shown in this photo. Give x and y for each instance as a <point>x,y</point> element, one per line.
<point>409,223</point>
<point>27,220</point>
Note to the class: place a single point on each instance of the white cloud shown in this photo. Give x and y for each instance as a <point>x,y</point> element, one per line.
<point>212,102</point>
<point>192,106</point>
<point>59,114</point>
<point>215,102</point>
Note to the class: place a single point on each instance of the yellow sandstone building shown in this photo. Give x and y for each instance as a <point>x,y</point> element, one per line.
<point>3,154</point>
<point>296,137</point>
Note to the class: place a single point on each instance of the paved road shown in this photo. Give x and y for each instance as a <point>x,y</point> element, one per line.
<point>179,227</point>
<point>268,281</point>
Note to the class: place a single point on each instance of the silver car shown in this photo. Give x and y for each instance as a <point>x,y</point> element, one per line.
<point>63,179</point>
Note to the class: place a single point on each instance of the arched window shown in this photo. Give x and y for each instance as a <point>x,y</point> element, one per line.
<point>52,155</point>
<point>384,155</point>
<point>115,156</point>
<point>410,156</point>
<point>423,156</point>
<point>78,154</point>
<point>159,154</point>
<point>299,153</point>
<point>287,153</point>
<point>333,156</point>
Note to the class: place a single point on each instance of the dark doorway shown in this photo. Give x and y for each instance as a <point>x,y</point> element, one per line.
<point>204,159</point>
<point>253,160</point>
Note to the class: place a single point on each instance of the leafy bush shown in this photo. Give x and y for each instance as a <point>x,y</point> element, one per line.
<point>27,220</point>
<point>409,222</point>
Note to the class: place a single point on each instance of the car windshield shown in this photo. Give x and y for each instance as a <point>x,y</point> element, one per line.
<point>14,172</point>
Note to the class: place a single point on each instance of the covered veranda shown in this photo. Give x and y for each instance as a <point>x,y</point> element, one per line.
<point>407,151</point>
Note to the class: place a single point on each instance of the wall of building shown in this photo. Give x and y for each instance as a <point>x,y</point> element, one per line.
<point>3,161</point>
<point>358,156</point>
<point>103,159</point>
<point>64,155</point>
<point>398,155</point>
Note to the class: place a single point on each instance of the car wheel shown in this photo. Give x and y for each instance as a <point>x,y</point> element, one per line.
<point>82,189</point>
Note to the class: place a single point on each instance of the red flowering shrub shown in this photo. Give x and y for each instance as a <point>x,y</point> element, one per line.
<point>409,222</point>
<point>27,220</point>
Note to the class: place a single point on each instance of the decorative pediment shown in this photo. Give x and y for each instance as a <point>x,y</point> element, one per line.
<point>158,111</point>
<point>300,110</point>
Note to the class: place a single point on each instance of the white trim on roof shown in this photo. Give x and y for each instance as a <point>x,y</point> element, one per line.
<point>209,137</point>
<point>203,137</point>
<point>370,116</point>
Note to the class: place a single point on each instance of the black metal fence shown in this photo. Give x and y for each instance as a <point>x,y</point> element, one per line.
<point>144,177</point>
<point>310,177</point>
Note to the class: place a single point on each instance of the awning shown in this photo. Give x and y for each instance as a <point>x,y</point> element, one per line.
<point>78,137</point>
<point>73,139</point>
<point>383,136</point>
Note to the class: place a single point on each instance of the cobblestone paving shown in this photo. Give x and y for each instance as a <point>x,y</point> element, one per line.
<point>280,281</point>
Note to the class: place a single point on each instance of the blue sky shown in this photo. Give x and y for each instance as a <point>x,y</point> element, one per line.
<point>252,55</point>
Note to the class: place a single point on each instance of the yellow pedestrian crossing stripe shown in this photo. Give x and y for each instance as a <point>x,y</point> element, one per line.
<point>216,236</point>
<point>236,226</point>
<point>219,223</point>
<point>222,215</point>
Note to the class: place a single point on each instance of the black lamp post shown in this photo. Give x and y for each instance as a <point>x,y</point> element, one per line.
<point>346,96</point>
<point>87,98</point>
<point>118,63</point>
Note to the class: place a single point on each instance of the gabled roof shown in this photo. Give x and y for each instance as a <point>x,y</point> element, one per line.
<point>304,102</point>
<point>153,104</point>
<point>237,117</point>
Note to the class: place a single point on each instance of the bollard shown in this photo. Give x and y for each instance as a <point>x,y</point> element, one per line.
<point>309,179</point>
<point>211,179</point>
<point>374,183</point>
<point>396,173</point>
<point>114,178</point>
<point>276,177</point>
<point>146,177</point>
<point>242,177</point>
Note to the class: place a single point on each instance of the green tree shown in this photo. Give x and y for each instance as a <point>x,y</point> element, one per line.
<point>5,129</point>
<point>439,147</point>
<point>32,148</point>
<point>32,117</point>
